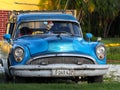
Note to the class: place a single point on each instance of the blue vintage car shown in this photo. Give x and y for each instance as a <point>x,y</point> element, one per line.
<point>52,45</point>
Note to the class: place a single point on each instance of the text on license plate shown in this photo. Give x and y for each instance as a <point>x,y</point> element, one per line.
<point>63,72</point>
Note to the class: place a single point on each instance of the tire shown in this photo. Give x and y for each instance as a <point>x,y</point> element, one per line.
<point>17,79</point>
<point>7,75</point>
<point>6,78</point>
<point>95,79</point>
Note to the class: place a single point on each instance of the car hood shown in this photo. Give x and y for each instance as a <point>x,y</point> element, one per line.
<point>55,44</point>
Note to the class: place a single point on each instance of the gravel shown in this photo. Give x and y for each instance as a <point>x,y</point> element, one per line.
<point>113,72</point>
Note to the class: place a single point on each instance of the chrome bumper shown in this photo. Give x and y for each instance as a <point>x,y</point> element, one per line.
<point>58,70</point>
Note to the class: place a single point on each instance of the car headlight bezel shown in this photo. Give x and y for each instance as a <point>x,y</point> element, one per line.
<point>18,54</point>
<point>100,51</point>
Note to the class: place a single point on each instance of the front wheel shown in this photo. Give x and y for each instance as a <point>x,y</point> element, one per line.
<point>17,79</point>
<point>6,78</point>
<point>95,79</point>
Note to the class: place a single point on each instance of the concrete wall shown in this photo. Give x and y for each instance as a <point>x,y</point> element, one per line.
<point>19,4</point>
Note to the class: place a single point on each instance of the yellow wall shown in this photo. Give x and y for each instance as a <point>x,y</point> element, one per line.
<point>23,5</point>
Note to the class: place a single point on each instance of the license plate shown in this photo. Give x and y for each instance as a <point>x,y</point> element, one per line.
<point>63,72</point>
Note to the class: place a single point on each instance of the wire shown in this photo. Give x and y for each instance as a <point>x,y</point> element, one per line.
<point>26,4</point>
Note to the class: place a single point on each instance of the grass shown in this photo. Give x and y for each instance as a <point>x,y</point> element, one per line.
<point>113,53</point>
<point>110,40</point>
<point>61,86</point>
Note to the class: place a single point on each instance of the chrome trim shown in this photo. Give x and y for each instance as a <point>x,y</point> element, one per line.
<point>97,53</point>
<point>46,70</point>
<point>64,54</point>
<point>22,55</point>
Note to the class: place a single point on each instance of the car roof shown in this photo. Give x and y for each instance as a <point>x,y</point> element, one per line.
<point>45,17</point>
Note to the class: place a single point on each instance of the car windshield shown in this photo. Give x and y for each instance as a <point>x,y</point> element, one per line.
<point>48,27</point>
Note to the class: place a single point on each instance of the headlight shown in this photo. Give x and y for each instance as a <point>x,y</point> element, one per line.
<point>100,51</point>
<point>18,54</point>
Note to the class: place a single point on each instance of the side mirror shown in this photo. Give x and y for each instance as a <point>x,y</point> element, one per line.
<point>7,37</point>
<point>89,36</point>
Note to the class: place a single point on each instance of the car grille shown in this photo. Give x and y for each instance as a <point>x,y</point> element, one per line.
<point>60,60</point>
